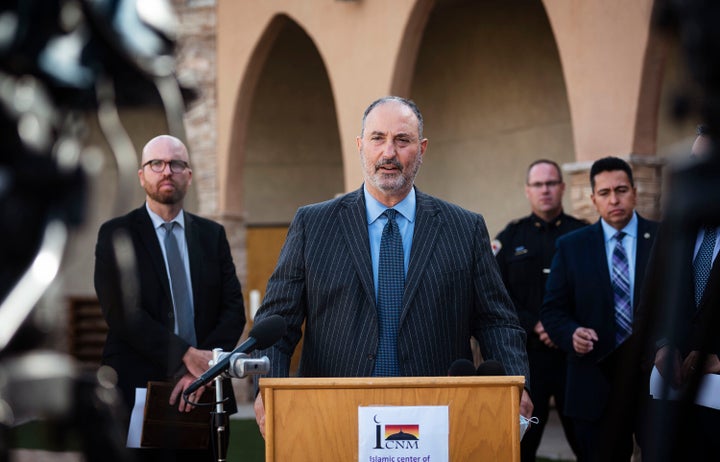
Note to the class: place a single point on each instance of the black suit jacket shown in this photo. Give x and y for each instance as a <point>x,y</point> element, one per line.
<point>579,294</point>
<point>703,333</point>
<point>686,327</point>
<point>453,291</point>
<point>141,345</point>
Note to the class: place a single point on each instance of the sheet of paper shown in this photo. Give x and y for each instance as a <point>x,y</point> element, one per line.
<point>708,394</point>
<point>136,419</point>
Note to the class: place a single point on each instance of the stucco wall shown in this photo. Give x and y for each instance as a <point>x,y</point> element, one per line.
<point>489,82</point>
<point>292,155</point>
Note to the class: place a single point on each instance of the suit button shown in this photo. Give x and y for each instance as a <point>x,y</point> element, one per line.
<point>371,357</point>
<point>171,315</point>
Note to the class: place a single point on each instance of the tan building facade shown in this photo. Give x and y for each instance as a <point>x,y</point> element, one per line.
<point>283,85</point>
<point>500,83</point>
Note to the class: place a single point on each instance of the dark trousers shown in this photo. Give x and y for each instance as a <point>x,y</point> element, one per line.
<point>170,455</point>
<point>610,437</point>
<point>681,431</point>
<point>547,379</point>
<point>594,444</point>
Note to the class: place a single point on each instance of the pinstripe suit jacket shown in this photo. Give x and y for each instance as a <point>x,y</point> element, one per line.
<point>453,291</point>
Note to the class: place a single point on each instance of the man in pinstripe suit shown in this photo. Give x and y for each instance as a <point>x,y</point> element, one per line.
<point>327,272</point>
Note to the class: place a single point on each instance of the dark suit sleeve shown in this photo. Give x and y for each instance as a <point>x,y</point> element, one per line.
<point>220,313</point>
<point>285,296</point>
<point>528,319</point>
<point>556,313</point>
<point>680,326</point>
<point>496,326</point>
<point>119,293</point>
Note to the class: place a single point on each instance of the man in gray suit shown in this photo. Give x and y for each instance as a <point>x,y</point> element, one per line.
<point>327,274</point>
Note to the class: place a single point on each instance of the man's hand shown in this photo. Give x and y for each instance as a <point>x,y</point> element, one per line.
<point>260,414</point>
<point>692,364</point>
<point>583,340</point>
<point>180,387</point>
<point>526,405</point>
<point>661,362</point>
<point>712,365</point>
<point>544,337</point>
<point>197,361</point>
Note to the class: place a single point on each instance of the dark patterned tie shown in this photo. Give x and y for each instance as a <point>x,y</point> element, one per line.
<point>180,292</point>
<point>391,285</point>
<point>703,263</point>
<point>621,290</point>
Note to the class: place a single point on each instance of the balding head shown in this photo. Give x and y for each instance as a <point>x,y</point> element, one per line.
<point>160,146</point>
<point>703,146</point>
<point>165,175</point>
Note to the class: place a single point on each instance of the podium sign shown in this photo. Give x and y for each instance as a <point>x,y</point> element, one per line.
<point>316,419</point>
<point>408,433</point>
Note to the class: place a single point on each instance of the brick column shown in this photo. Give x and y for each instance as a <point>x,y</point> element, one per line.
<point>647,173</point>
<point>197,55</point>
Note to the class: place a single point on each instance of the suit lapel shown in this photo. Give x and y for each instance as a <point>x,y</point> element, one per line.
<point>353,217</point>
<point>353,223</point>
<point>428,223</point>
<point>192,238</point>
<point>599,253</point>
<point>148,237</point>
<point>644,245</point>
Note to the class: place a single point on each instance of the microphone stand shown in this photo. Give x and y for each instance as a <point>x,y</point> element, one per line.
<point>219,419</point>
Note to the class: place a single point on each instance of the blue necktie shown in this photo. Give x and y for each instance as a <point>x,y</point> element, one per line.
<point>391,285</point>
<point>180,292</point>
<point>703,263</point>
<point>621,290</point>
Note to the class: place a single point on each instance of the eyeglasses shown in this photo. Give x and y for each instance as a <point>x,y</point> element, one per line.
<point>549,184</point>
<point>158,165</point>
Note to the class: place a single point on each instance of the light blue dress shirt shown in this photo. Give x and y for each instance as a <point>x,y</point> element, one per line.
<point>376,222</point>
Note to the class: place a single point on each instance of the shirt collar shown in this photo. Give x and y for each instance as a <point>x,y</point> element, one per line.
<point>157,221</point>
<point>373,208</point>
<point>630,229</point>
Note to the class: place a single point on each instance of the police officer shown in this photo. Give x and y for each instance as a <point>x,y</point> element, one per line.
<point>524,251</point>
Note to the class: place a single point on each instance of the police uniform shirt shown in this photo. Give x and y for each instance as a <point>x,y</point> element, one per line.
<point>525,249</point>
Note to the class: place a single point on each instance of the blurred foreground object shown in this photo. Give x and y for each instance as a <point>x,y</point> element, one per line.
<point>58,60</point>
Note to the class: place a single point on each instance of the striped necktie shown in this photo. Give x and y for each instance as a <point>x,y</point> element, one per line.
<point>180,291</point>
<point>621,290</point>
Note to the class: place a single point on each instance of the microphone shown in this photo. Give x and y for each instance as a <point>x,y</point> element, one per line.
<point>263,334</point>
<point>461,367</point>
<point>491,367</point>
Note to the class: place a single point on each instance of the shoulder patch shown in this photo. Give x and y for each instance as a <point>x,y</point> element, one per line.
<point>496,245</point>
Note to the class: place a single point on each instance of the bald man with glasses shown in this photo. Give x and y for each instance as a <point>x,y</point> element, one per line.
<point>188,298</point>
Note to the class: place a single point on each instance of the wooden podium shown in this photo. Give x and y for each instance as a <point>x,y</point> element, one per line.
<point>322,413</point>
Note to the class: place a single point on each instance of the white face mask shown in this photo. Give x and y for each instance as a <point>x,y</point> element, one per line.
<point>525,424</point>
